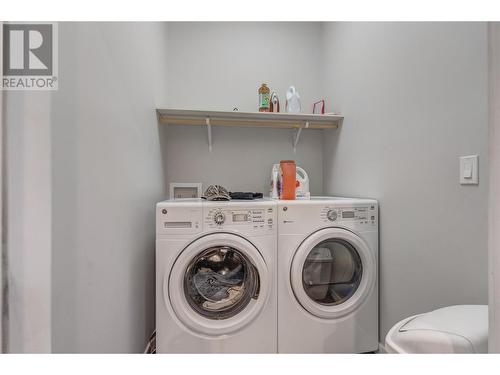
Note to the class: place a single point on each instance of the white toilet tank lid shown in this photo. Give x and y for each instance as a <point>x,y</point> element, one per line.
<point>453,329</point>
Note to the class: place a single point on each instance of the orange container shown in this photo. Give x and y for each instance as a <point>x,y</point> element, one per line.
<point>288,179</point>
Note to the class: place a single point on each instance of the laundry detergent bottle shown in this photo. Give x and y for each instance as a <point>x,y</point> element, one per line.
<point>302,189</point>
<point>288,171</point>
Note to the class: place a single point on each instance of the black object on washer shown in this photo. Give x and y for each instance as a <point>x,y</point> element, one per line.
<point>245,195</point>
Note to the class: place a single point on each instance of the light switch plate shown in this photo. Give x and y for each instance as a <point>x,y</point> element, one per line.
<point>469,170</point>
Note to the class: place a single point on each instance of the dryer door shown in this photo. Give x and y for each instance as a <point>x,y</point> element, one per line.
<point>218,284</point>
<point>332,272</point>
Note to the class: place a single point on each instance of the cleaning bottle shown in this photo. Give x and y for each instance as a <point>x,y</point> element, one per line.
<point>288,171</point>
<point>275,182</point>
<point>292,100</point>
<point>264,98</point>
<point>302,190</point>
<point>274,104</point>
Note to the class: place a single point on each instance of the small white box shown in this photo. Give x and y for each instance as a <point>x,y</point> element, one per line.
<point>469,170</point>
<point>181,190</point>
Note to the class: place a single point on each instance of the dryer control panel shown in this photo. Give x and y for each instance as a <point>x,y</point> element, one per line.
<point>240,219</point>
<point>360,215</point>
<point>299,217</point>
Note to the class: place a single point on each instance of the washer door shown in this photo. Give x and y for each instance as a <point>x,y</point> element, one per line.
<point>218,284</point>
<point>332,272</point>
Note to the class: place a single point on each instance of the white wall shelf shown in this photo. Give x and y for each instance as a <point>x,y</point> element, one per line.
<point>297,121</point>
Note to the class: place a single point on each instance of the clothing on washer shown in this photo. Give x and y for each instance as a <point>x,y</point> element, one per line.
<point>214,286</point>
<point>216,193</point>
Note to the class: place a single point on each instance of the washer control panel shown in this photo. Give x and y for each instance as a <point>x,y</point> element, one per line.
<point>236,218</point>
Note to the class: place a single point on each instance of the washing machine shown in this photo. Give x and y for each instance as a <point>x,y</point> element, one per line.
<point>327,275</point>
<point>216,277</point>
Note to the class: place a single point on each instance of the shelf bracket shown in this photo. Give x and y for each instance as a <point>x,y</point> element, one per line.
<point>209,133</point>
<point>296,136</point>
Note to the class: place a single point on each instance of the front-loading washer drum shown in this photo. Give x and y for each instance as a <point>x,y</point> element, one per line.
<point>332,272</point>
<point>218,284</point>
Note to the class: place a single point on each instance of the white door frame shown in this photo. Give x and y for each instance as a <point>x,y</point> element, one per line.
<point>494,193</point>
<point>25,179</point>
<point>1,192</point>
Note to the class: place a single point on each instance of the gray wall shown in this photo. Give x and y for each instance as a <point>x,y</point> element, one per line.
<point>220,66</point>
<point>414,98</point>
<point>27,242</point>
<point>107,177</point>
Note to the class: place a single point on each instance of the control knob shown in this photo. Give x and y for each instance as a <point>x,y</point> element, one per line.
<point>331,215</point>
<point>219,218</point>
